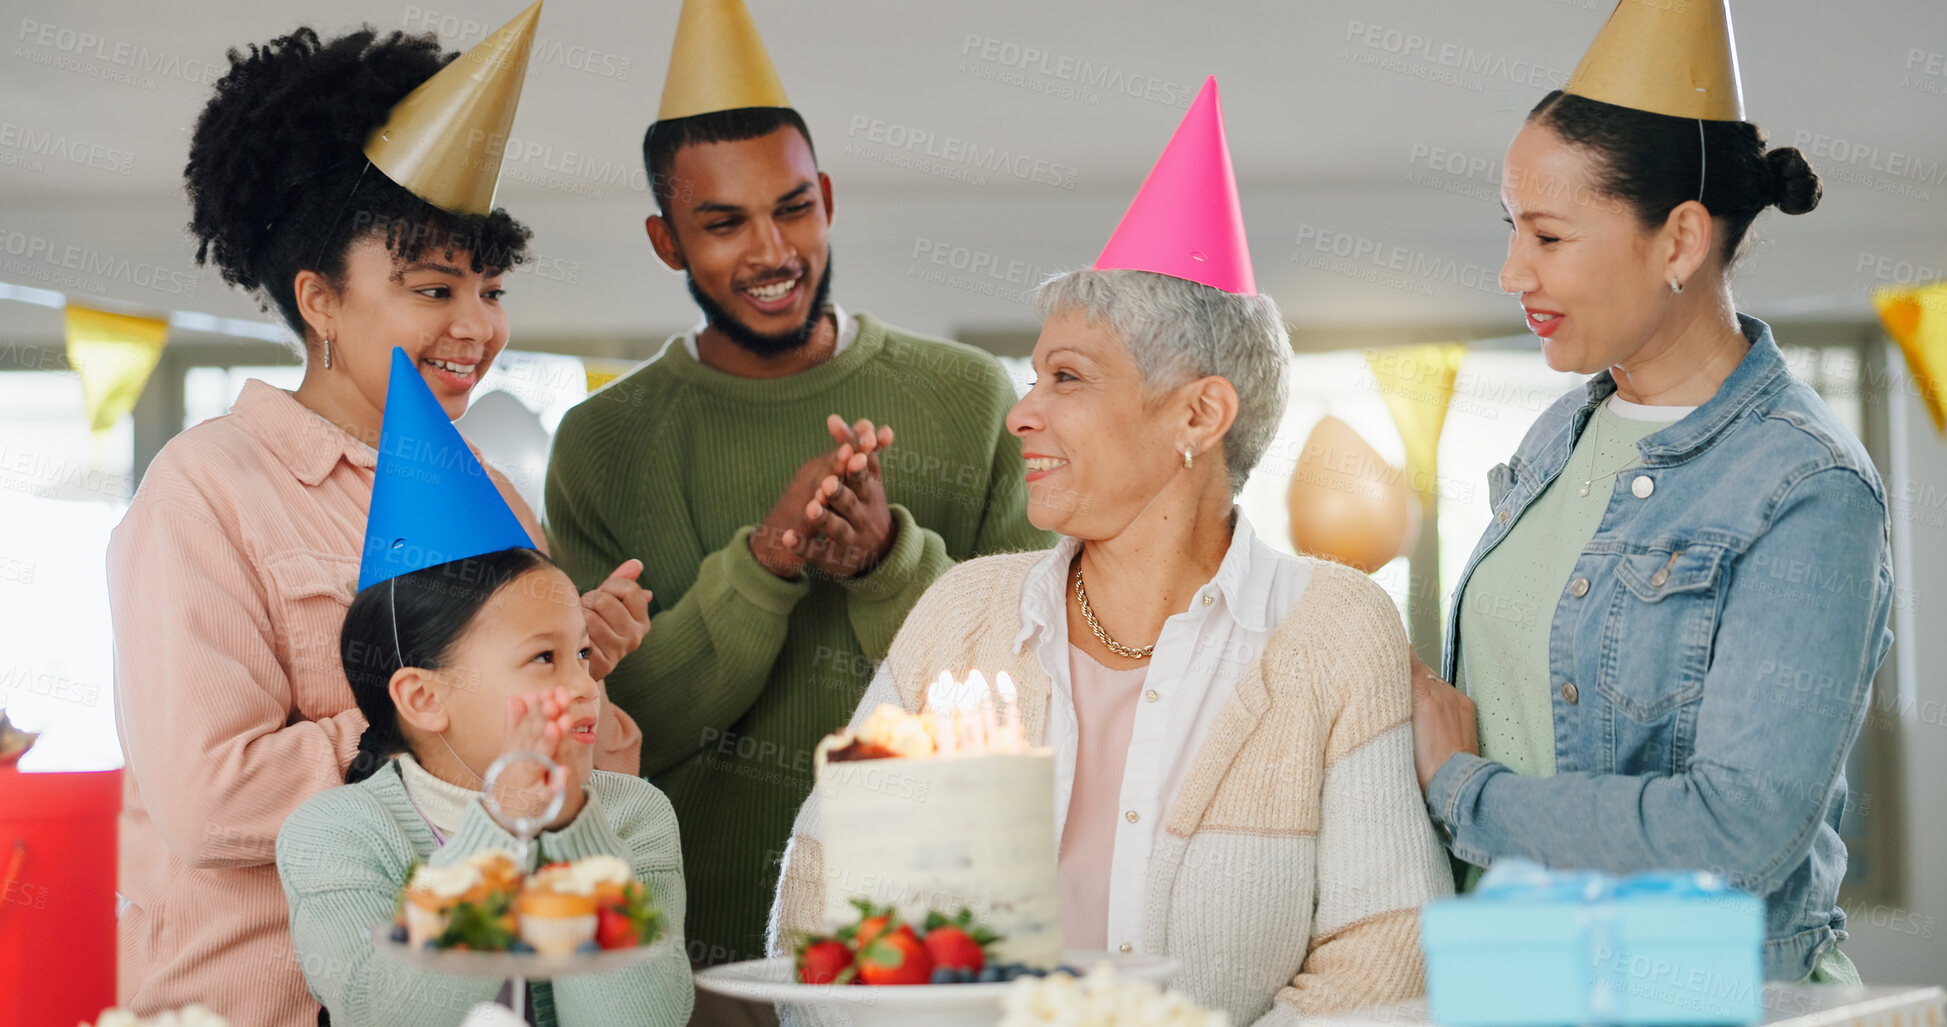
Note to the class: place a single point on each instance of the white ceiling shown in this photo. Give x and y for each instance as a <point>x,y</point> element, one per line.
<point>1323,138</point>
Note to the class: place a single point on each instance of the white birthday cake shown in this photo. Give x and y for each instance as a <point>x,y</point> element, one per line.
<point>944,810</point>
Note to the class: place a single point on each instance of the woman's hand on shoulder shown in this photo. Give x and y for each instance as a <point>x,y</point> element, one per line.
<point>1443,722</point>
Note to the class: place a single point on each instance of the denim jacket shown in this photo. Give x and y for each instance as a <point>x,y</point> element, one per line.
<point>1709,657</point>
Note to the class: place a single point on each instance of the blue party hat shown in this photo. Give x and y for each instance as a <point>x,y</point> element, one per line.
<point>432,502</point>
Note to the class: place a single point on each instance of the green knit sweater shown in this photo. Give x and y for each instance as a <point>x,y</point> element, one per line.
<point>743,672</point>
<point>344,855</point>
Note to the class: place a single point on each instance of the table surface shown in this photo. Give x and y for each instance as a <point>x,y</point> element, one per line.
<point>1786,1005</point>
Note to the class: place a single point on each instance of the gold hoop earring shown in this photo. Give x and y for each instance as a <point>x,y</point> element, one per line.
<point>1187,451</point>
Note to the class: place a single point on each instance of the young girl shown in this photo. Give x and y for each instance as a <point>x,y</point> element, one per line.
<point>453,665</point>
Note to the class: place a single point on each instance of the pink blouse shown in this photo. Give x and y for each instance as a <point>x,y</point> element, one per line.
<point>1105,713</point>
<point>228,580</point>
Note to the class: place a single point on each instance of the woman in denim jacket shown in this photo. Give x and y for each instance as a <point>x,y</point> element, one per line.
<point>1669,631</point>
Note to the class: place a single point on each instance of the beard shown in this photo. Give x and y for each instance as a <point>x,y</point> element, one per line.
<point>755,342</point>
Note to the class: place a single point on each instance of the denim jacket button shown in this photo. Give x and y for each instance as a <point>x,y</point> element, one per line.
<point>1502,517</point>
<point>1568,692</point>
<point>1579,587</point>
<point>1661,576</point>
<point>1642,486</point>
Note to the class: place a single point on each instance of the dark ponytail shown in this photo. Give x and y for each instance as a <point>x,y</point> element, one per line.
<point>434,607</point>
<point>1653,162</point>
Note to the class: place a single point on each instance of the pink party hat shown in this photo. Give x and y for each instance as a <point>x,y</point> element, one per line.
<point>1185,221</point>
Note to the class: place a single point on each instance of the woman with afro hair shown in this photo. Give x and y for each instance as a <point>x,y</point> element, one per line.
<point>231,574</point>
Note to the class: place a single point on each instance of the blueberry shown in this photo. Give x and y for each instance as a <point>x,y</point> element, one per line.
<point>588,946</point>
<point>399,934</point>
<point>1033,971</point>
<point>1009,971</point>
<point>990,975</point>
<point>944,975</point>
<point>520,946</point>
<point>966,975</point>
<point>1069,970</point>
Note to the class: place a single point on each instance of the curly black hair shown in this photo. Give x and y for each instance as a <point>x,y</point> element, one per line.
<point>277,177</point>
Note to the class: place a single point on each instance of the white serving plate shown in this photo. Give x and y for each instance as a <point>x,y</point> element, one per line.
<point>942,1005</point>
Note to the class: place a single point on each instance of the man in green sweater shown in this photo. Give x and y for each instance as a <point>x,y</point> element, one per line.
<point>783,533</point>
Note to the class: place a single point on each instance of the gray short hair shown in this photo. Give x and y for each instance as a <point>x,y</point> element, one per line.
<point>1178,330</point>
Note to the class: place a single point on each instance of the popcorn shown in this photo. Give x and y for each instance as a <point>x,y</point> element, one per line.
<point>1101,1000</point>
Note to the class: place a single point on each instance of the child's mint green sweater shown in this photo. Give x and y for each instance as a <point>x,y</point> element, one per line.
<point>343,856</point>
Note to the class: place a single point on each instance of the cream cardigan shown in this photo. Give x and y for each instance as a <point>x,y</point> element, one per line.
<point>1289,876</point>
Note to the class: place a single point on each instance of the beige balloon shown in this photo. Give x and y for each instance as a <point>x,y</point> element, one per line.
<point>1347,503</point>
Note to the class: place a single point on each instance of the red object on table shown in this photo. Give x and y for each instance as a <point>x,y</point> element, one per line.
<point>57,896</point>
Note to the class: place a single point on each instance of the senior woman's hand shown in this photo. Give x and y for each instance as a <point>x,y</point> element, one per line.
<point>1443,722</point>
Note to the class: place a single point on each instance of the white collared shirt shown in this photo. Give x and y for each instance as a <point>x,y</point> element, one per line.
<point>1199,657</point>
<point>848,330</point>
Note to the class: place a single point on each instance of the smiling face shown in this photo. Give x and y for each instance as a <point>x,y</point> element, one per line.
<point>446,316</point>
<point>1592,280</point>
<point>531,636</point>
<point>1097,450</point>
<point>750,228</point>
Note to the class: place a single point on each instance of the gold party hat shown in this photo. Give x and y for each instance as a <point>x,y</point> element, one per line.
<point>718,63</point>
<point>1674,57</point>
<point>444,141</point>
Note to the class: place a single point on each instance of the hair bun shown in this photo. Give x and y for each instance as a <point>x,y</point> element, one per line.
<point>1795,187</point>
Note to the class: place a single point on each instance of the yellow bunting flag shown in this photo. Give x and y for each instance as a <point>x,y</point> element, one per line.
<point>600,372</point>
<point>1417,383</point>
<point>1916,318</point>
<point>113,354</point>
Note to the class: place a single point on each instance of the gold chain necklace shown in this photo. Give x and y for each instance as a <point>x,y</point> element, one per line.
<point>1126,652</point>
<point>1595,443</point>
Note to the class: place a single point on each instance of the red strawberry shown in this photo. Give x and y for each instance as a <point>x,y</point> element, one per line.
<point>953,947</point>
<point>614,929</point>
<point>824,961</point>
<point>895,957</point>
<point>869,928</point>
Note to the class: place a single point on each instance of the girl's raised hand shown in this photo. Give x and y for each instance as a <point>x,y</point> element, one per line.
<point>537,722</point>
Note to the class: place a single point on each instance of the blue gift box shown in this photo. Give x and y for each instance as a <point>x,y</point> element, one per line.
<point>1534,946</point>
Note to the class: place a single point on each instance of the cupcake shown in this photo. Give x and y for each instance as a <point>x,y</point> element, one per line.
<point>497,866</point>
<point>604,877</point>
<point>433,892</point>
<point>557,912</point>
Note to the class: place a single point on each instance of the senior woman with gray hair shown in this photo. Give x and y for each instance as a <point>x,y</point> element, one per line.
<point>1231,725</point>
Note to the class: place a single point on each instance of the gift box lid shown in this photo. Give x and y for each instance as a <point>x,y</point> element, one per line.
<point>1522,902</point>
